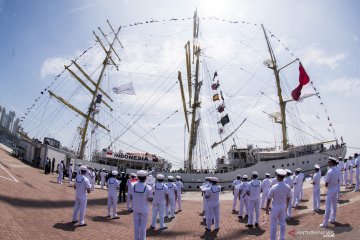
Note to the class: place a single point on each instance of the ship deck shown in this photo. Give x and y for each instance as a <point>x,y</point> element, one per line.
<point>34,206</point>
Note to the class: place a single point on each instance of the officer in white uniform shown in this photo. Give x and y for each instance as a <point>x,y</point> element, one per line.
<point>172,197</point>
<point>161,200</point>
<point>234,184</point>
<point>280,194</point>
<point>92,178</point>
<point>357,172</point>
<point>203,188</point>
<point>141,195</point>
<point>351,170</point>
<point>82,187</point>
<point>77,168</point>
<point>265,187</point>
<point>70,170</point>
<point>332,181</point>
<point>316,188</point>
<point>130,182</point>
<point>61,172</point>
<point>297,188</point>
<point>180,187</point>
<point>301,174</point>
<point>212,196</point>
<point>253,191</point>
<point>102,178</point>
<point>289,181</point>
<point>113,185</point>
<point>346,169</point>
<point>341,168</point>
<point>244,200</point>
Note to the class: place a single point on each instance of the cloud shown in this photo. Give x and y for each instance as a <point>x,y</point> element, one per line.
<point>319,57</point>
<point>53,66</point>
<point>344,86</point>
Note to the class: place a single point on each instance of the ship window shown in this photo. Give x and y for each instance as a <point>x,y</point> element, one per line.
<point>197,187</point>
<point>189,186</point>
<point>307,161</point>
<point>287,164</point>
<point>303,162</point>
<point>230,186</point>
<point>273,166</point>
<point>293,164</point>
<point>236,155</point>
<point>282,165</point>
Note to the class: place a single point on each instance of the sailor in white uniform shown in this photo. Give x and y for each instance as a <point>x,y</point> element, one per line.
<point>332,181</point>
<point>161,200</point>
<point>102,178</point>
<point>316,188</point>
<point>297,188</point>
<point>357,172</point>
<point>341,168</point>
<point>346,169</point>
<point>302,177</point>
<point>70,170</point>
<point>130,182</point>
<point>180,187</point>
<point>212,195</point>
<point>172,197</point>
<point>265,187</point>
<point>61,171</point>
<point>82,187</point>
<point>92,178</point>
<point>289,181</point>
<point>234,184</point>
<point>77,168</point>
<point>280,194</point>
<point>351,170</point>
<point>113,185</point>
<point>244,200</point>
<point>253,191</point>
<point>203,188</point>
<point>141,195</point>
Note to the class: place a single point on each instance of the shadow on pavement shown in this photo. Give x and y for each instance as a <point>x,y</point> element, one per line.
<point>343,201</point>
<point>340,227</point>
<point>294,221</point>
<point>65,226</point>
<point>210,235</point>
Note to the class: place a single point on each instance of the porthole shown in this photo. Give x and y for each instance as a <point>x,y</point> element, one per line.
<point>273,166</point>
<point>282,165</point>
<point>287,164</point>
<point>189,186</point>
<point>230,186</point>
<point>293,164</point>
<point>303,162</point>
<point>197,187</point>
<point>307,161</point>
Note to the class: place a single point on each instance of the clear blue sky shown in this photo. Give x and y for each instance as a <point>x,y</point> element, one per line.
<point>325,34</point>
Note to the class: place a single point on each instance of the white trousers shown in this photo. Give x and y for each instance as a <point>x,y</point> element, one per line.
<point>128,201</point>
<point>60,176</point>
<point>331,205</point>
<point>171,208</point>
<point>277,215</point>
<point>158,208</point>
<point>254,205</point>
<point>264,198</point>
<point>140,221</point>
<point>102,183</point>
<point>179,200</point>
<point>244,202</point>
<point>80,206</point>
<point>112,202</point>
<point>357,180</point>
<point>296,198</point>
<point>289,207</point>
<point>213,212</point>
<point>236,199</point>
<point>301,191</point>
<point>70,176</point>
<point>346,180</point>
<point>316,197</point>
<point>351,173</point>
<point>341,178</point>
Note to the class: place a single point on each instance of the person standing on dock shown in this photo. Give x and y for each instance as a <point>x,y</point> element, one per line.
<point>357,172</point>
<point>265,187</point>
<point>172,197</point>
<point>332,181</point>
<point>70,170</point>
<point>113,185</point>
<point>180,187</point>
<point>82,187</point>
<point>212,196</point>
<point>160,202</point>
<point>61,171</point>
<point>316,188</point>
<point>280,194</point>
<point>244,200</point>
<point>351,170</point>
<point>253,191</point>
<point>341,168</point>
<point>302,177</point>
<point>346,169</point>
<point>289,181</point>
<point>122,190</point>
<point>102,178</point>
<point>130,182</point>
<point>297,188</point>
<point>235,183</point>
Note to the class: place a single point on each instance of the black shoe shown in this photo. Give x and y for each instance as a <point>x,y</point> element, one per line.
<point>209,230</point>
<point>108,216</point>
<point>246,216</point>
<point>163,228</point>
<point>83,225</point>
<point>180,210</point>
<point>75,221</point>
<point>240,217</point>
<point>152,227</point>
<point>216,229</point>
<point>256,225</point>
<point>249,225</point>
<point>233,210</point>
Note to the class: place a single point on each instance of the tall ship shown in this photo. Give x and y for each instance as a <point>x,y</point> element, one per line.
<point>227,106</point>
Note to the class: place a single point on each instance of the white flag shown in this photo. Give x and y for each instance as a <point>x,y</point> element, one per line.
<point>126,88</point>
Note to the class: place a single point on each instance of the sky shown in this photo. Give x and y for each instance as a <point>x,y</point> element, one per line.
<point>39,36</point>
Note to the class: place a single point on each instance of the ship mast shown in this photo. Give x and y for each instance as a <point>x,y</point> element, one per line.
<point>282,103</point>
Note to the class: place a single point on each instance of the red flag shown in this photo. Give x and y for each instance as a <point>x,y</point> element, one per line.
<point>303,80</point>
<point>296,92</point>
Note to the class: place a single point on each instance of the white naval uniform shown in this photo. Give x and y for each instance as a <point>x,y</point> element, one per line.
<point>244,199</point>
<point>129,185</point>
<point>274,181</point>
<point>172,190</point>
<point>92,179</point>
<point>82,184</point>
<point>316,190</point>
<point>357,173</point>
<point>341,167</point>
<point>254,189</point>
<point>203,188</point>
<point>236,196</point>
<point>102,179</point>
<point>280,192</point>
<point>179,186</point>
<point>70,173</point>
<point>290,182</point>
<point>113,184</point>
<point>160,190</point>
<point>297,190</point>
<point>301,184</point>
<point>351,171</point>
<point>333,179</point>
<point>61,172</point>
<point>346,168</point>
<point>212,195</point>
<point>140,194</point>
<point>265,186</point>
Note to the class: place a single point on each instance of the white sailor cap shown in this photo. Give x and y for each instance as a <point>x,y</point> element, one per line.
<point>83,168</point>
<point>288,171</point>
<point>255,173</point>
<point>178,177</point>
<point>133,174</point>
<point>214,179</point>
<point>142,173</point>
<point>317,166</point>
<point>340,158</point>
<point>170,178</point>
<point>280,172</point>
<point>207,178</point>
<point>115,173</point>
<point>332,159</point>
<point>160,177</point>
<point>298,169</point>
<point>245,176</point>
<point>79,164</point>
<point>103,169</point>
<point>238,175</point>
<point>267,174</point>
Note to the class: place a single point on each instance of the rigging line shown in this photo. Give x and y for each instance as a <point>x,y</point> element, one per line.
<point>43,116</point>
